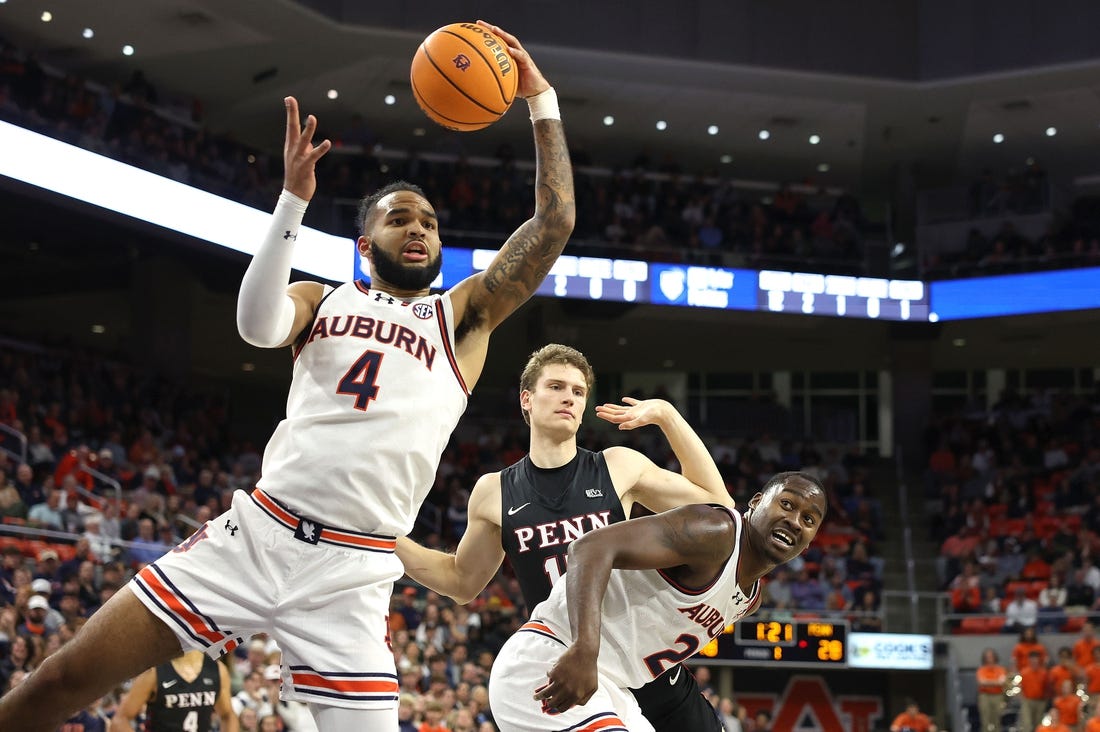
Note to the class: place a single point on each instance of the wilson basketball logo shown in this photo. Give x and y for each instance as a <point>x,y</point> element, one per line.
<point>462,62</point>
<point>423,310</point>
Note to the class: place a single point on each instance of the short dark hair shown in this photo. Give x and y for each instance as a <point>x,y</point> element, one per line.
<point>779,480</point>
<point>368,204</point>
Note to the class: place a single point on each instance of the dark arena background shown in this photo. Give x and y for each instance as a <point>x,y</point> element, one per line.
<point>851,237</point>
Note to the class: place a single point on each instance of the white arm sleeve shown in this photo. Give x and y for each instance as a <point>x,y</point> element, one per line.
<point>265,313</point>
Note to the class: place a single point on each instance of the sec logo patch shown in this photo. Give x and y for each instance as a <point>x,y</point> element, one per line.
<point>423,310</point>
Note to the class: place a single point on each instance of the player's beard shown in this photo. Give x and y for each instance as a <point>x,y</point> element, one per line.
<point>403,277</point>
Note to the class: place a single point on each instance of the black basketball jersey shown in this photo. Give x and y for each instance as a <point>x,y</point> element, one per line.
<point>542,511</point>
<point>183,705</point>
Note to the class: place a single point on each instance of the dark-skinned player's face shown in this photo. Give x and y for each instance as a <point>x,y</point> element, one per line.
<point>787,517</point>
<point>402,242</point>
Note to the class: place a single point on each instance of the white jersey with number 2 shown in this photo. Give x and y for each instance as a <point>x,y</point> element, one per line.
<point>650,622</point>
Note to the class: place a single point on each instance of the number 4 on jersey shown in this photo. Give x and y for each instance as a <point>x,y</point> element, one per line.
<point>360,379</point>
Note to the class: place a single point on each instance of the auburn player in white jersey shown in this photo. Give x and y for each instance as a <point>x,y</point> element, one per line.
<point>381,376</point>
<point>641,596</point>
<point>531,511</point>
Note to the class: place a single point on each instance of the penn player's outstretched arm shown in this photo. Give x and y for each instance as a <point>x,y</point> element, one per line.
<point>464,574</point>
<point>482,301</point>
<point>654,487</point>
<point>269,312</point>
<point>697,538</point>
<point>142,689</point>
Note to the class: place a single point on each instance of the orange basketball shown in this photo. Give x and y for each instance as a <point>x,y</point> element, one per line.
<point>463,77</point>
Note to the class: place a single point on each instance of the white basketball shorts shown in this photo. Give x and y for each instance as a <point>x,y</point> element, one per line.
<point>322,593</point>
<point>521,667</point>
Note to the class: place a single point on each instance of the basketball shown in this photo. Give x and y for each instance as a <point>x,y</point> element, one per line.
<point>463,77</point>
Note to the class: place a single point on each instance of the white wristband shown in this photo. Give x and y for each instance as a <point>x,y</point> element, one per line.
<point>544,105</point>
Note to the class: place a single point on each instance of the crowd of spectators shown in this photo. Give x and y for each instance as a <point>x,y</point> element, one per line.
<point>93,422</point>
<point>1073,243</point>
<point>1071,239</point>
<point>1015,493</point>
<point>640,211</point>
<point>1048,686</point>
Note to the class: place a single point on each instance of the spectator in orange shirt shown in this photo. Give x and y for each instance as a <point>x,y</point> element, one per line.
<point>912,720</point>
<point>1068,704</point>
<point>1064,670</point>
<point>1036,568</point>
<point>1093,724</point>
<point>1084,646</point>
<point>1028,644</point>
<point>1092,675</point>
<point>1034,692</point>
<point>992,677</point>
<point>1054,723</point>
<point>966,591</point>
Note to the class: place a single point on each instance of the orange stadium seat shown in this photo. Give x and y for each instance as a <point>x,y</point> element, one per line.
<point>972,626</point>
<point>1074,623</point>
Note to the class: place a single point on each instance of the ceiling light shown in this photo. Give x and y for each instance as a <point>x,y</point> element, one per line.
<point>712,130</point>
<point>251,159</point>
<point>127,50</point>
<point>332,94</point>
<point>419,132</point>
<point>88,33</point>
<point>763,134</point>
<point>248,366</point>
<point>1052,131</point>
<point>47,16</point>
<point>726,159</point>
<point>608,121</point>
<point>390,100</point>
<point>815,139</point>
<point>823,168</point>
<point>958,342</point>
<point>662,125</point>
<point>998,138</point>
<point>98,329</point>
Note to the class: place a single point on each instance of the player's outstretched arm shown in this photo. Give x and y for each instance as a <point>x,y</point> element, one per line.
<point>269,314</point>
<point>464,574</point>
<point>482,301</point>
<point>141,691</point>
<point>654,487</point>
<point>697,537</point>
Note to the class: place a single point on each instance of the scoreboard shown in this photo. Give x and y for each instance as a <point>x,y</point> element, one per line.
<point>798,642</point>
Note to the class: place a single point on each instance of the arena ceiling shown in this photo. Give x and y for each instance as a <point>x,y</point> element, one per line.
<point>878,135</point>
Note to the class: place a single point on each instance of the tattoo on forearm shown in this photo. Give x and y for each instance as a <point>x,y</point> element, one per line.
<point>530,252</point>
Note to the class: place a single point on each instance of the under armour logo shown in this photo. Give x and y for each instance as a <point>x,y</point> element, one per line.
<point>379,297</point>
<point>290,236</point>
<point>231,528</point>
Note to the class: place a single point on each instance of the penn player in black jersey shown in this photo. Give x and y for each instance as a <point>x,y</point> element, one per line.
<point>531,511</point>
<point>182,695</point>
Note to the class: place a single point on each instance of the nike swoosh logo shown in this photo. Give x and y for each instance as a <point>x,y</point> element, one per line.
<point>675,677</point>
<point>516,509</point>
<point>169,684</point>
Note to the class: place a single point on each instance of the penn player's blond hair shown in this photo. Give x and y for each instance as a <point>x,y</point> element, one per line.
<point>550,354</point>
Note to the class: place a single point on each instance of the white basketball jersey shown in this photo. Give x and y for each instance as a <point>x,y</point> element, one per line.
<point>650,623</point>
<point>375,395</point>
